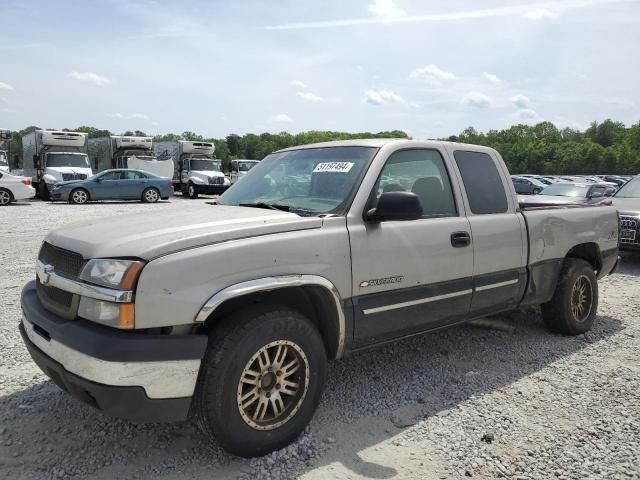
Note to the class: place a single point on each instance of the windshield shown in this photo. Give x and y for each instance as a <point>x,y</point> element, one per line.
<point>205,165</point>
<point>3,159</point>
<point>631,189</point>
<point>566,190</point>
<point>67,160</point>
<point>246,166</point>
<point>311,181</point>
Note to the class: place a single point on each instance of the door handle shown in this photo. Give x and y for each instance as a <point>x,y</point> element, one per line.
<point>460,239</point>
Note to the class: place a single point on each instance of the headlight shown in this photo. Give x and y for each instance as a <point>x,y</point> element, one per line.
<point>120,274</point>
<point>227,182</point>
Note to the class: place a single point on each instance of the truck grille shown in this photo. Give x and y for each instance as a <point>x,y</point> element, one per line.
<point>63,261</point>
<point>60,298</point>
<point>73,176</point>
<point>629,224</point>
<point>216,180</point>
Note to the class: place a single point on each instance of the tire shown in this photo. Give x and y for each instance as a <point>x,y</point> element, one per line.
<point>236,347</point>
<point>536,191</point>
<point>150,195</point>
<point>6,197</point>
<point>192,191</point>
<point>563,314</point>
<point>79,196</point>
<point>43,191</point>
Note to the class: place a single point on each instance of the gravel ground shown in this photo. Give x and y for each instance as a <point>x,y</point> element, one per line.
<point>501,398</point>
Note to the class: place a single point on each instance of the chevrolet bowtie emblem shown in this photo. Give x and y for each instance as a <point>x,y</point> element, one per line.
<point>46,274</point>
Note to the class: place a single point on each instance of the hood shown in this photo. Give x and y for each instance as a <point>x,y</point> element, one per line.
<point>151,235</point>
<point>629,206</point>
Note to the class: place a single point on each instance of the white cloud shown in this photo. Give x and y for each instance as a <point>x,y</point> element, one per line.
<point>378,97</point>
<point>116,115</point>
<point>282,118</point>
<point>7,110</point>
<point>99,80</point>
<point>521,101</point>
<point>490,77</point>
<point>298,84</point>
<point>477,99</point>
<point>5,86</point>
<point>388,12</point>
<point>540,14</point>
<point>528,114</point>
<point>433,73</point>
<point>386,9</point>
<point>139,116</point>
<point>310,97</point>
<point>155,124</point>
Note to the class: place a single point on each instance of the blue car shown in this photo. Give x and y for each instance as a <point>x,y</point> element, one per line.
<point>118,184</point>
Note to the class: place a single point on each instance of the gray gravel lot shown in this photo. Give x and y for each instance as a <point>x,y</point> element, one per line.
<point>502,398</point>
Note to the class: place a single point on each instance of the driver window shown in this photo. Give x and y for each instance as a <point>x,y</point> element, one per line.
<point>422,172</point>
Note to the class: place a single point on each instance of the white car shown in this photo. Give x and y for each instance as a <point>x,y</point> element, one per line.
<point>14,188</point>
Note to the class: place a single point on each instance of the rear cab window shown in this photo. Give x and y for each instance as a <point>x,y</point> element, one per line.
<point>482,182</point>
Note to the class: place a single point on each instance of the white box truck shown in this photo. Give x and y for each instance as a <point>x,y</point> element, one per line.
<point>196,168</point>
<point>119,151</point>
<point>51,156</point>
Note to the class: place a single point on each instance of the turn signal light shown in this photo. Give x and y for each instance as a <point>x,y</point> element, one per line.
<point>127,318</point>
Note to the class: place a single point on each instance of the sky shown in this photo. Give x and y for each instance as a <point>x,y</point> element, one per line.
<point>430,68</point>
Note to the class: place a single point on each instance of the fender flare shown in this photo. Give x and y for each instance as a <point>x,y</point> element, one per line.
<point>274,283</point>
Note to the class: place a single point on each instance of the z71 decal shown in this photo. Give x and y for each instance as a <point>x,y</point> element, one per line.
<point>377,282</point>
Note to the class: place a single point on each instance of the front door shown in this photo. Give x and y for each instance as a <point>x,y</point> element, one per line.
<point>107,186</point>
<point>412,276</point>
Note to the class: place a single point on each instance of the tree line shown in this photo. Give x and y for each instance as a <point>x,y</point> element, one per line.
<point>606,147</point>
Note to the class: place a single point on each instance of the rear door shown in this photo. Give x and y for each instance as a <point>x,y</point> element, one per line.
<point>498,230</point>
<point>408,276</point>
<point>133,183</point>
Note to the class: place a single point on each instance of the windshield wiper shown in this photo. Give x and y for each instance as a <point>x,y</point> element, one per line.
<point>272,206</point>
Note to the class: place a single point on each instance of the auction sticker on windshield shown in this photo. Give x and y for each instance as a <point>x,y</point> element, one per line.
<point>333,167</point>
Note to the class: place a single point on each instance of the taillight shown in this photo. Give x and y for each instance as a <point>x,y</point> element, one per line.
<point>26,181</point>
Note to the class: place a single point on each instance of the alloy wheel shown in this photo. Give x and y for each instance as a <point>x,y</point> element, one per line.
<point>581,298</point>
<point>5,197</point>
<point>273,385</point>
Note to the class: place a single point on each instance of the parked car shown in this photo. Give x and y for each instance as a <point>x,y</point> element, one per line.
<point>627,200</point>
<point>14,188</point>
<point>528,185</point>
<point>229,316</point>
<point>574,194</point>
<point>117,184</point>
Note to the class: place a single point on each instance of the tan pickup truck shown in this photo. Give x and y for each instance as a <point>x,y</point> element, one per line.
<point>229,315</point>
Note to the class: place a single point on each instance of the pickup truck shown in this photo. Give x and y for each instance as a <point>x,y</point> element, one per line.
<point>228,314</point>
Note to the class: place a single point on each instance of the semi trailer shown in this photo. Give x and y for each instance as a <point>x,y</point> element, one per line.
<point>119,151</point>
<point>196,170</point>
<point>51,156</point>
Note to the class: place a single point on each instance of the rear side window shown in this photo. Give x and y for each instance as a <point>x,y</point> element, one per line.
<point>482,182</point>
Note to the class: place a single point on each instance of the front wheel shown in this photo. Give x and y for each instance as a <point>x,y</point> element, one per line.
<point>150,195</point>
<point>261,380</point>
<point>5,197</point>
<point>79,196</point>
<point>192,191</point>
<point>573,307</point>
<point>536,191</point>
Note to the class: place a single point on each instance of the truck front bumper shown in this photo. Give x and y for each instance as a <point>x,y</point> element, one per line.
<point>136,376</point>
<point>207,189</point>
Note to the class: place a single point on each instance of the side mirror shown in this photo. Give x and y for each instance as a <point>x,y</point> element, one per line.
<point>395,206</point>
<point>98,179</point>
<point>596,194</point>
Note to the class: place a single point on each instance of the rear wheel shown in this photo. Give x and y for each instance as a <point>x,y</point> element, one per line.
<point>6,197</point>
<point>573,307</point>
<point>192,191</point>
<point>150,195</point>
<point>261,380</point>
<point>79,196</point>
